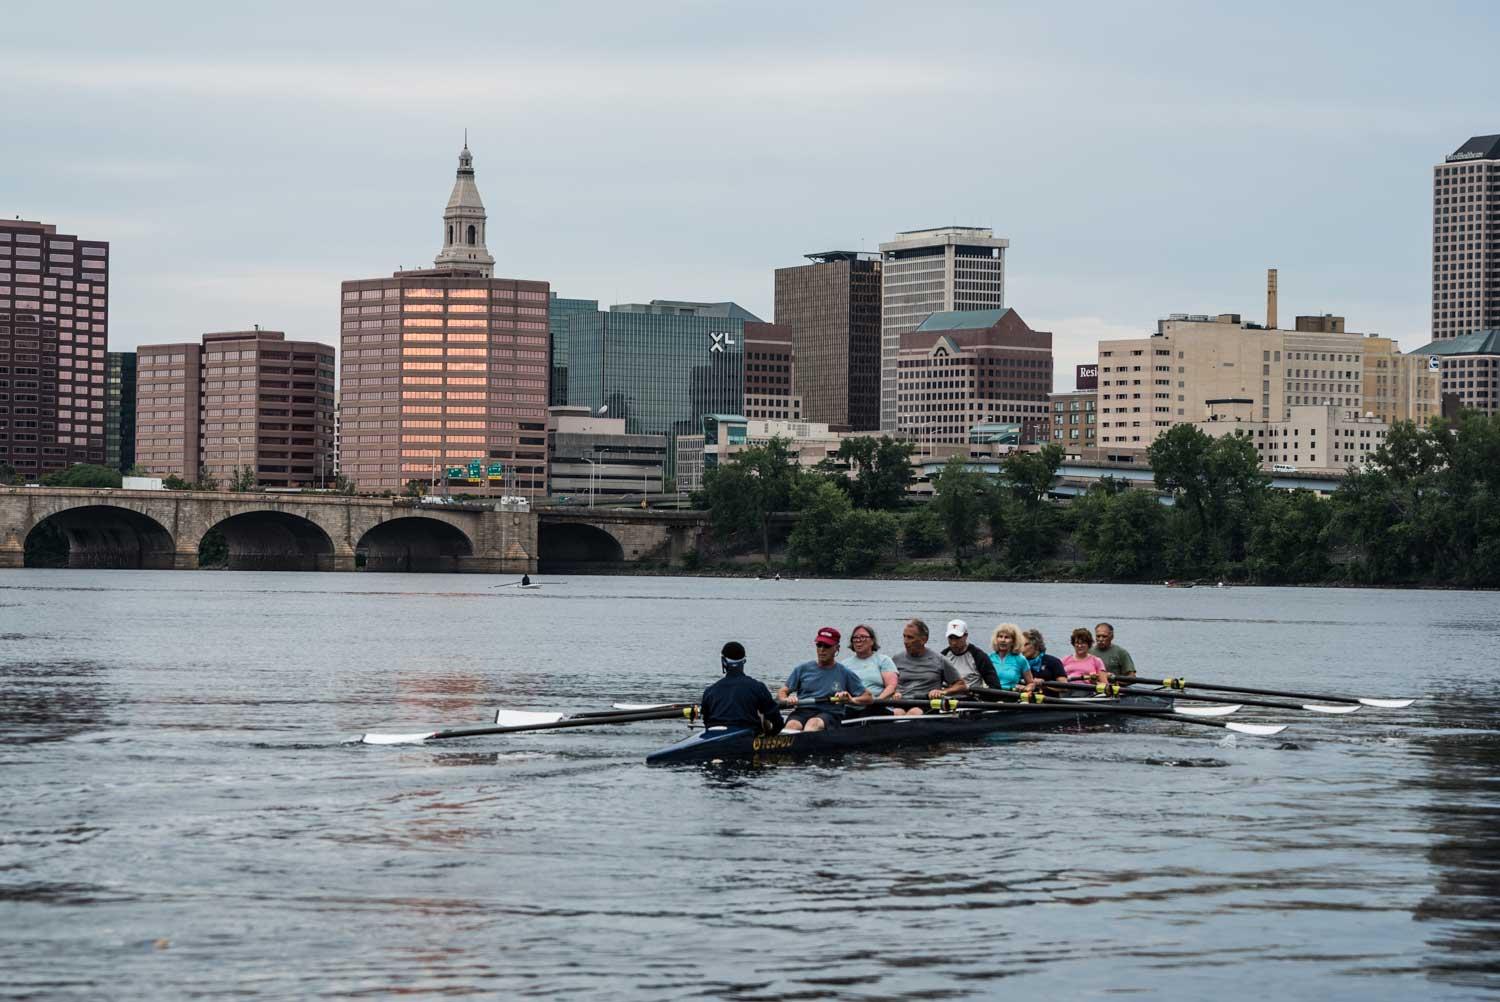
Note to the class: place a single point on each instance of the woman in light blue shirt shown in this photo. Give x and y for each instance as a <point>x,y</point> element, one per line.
<point>877,671</point>
<point>1010,664</point>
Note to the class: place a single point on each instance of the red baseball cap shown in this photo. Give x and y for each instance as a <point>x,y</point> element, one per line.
<point>827,635</point>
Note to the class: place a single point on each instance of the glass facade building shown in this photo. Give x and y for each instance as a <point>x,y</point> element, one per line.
<point>562,315</point>
<point>662,366</point>
<point>119,410</point>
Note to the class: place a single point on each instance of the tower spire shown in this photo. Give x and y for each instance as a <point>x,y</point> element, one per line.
<point>464,223</point>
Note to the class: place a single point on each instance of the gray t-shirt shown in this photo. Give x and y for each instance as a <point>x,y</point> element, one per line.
<point>1116,659</point>
<point>917,676</point>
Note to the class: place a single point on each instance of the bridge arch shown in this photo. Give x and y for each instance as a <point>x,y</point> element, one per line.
<point>106,536</point>
<point>564,545</point>
<point>414,543</point>
<point>272,540</point>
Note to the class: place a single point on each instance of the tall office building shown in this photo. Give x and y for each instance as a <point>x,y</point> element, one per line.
<point>238,401</point>
<point>770,374</point>
<point>964,370</point>
<point>662,366</point>
<point>832,309</point>
<point>54,326</point>
<point>1466,240</point>
<point>562,316</point>
<point>119,410</point>
<point>931,271</point>
<point>447,368</point>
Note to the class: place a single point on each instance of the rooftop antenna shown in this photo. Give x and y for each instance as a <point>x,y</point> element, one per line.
<point>466,137</point>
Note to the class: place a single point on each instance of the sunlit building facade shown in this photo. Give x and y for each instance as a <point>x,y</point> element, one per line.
<point>445,371</point>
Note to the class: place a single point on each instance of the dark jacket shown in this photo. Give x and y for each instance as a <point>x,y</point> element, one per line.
<point>983,666</point>
<point>737,700</point>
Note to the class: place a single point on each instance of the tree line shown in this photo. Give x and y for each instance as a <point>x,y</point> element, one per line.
<point>1424,510</point>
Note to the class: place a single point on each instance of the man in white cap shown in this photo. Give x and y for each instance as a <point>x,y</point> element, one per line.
<point>972,664</point>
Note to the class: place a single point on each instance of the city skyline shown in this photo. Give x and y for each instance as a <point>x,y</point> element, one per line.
<point>1133,173</point>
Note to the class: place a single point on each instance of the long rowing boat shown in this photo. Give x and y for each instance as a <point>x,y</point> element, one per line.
<point>877,733</point>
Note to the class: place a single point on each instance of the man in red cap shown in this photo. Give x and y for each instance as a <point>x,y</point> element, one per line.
<point>825,684</point>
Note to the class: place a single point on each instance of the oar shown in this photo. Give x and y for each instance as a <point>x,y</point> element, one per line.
<point>1007,695</point>
<point>1073,706</point>
<point>1182,684</point>
<point>1115,690</point>
<point>376,738</point>
<point>508,584</point>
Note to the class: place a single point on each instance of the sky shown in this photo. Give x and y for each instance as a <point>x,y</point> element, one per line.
<point>1143,159</point>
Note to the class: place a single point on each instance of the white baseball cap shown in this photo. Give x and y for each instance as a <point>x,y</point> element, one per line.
<point>958,628</point>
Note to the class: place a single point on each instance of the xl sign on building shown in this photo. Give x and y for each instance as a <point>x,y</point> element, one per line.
<point>1086,377</point>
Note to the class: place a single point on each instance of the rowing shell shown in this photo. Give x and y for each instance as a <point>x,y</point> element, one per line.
<point>878,733</point>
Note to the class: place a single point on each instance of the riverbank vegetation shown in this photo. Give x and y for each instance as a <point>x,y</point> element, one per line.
<point>1424,511</point>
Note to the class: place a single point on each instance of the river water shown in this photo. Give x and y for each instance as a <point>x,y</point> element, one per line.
<point>181,816</point>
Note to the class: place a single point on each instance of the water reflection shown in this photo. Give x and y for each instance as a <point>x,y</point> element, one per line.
<point>1464,819</point>
<point>50,701</point>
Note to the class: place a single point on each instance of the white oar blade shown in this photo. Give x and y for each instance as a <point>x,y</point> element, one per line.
<point>521,718</point>
<point>396,739</point>
<point>1259,730</point>
<point>1206,711</point>
<point>1388,704</point>
<point>642,706</point>
<point>1324,708</point>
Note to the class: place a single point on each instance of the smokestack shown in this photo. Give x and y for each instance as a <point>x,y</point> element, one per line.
<point>1270,298</point>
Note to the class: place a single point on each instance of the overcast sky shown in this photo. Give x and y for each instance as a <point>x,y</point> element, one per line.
<point>1143,159</point>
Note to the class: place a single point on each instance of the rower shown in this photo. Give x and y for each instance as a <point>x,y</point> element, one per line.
<point>972,664</point>
<point>737,700</point>
<point>1116,658</point>
<point>824,681</point>
<point>525,579</point>
<point>921,672</point>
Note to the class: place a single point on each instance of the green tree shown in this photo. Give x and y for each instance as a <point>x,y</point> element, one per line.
<point>1289,539</point>
<point>83,475</point>
<point>881,468</point>
<point>958,500</point>
<point>1029,522</point>
<point>244,479</point>
<point>9,475</point>
<point>818,538</point>
<point>744,493</point>
<point>173,482</point>
<point>869,537</point>
<point>1219,485</point>
<point>213,549</point>
<point>137,470</point>
<point>343,485</point>
<point>1121,533</point>
<point>415,488</point>
<point>922,532</point>
<point>207,481</point>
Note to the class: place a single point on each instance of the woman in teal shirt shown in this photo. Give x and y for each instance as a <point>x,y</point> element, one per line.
<point>1010,664</point>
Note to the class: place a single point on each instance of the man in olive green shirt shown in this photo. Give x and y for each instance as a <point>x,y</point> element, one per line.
<point>1116,658</point>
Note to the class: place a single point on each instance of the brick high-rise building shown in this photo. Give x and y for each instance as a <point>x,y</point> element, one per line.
<point>931,271</point>
<point>446,367</point>
<point>1466,239</point>
<point>832,309</point>
<point>770,374</point>
<point>54,328</point>
<point>238,401</point>
<point>965,368</point>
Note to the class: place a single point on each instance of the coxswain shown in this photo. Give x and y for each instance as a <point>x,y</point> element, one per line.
<point>525,579</point>
<point>823,682</point>
<point>737,700</point>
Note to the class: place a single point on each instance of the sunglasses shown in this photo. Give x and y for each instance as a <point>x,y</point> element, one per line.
<point>822,644</point>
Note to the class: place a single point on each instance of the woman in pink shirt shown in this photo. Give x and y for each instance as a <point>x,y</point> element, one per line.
<point>1082,666</point>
